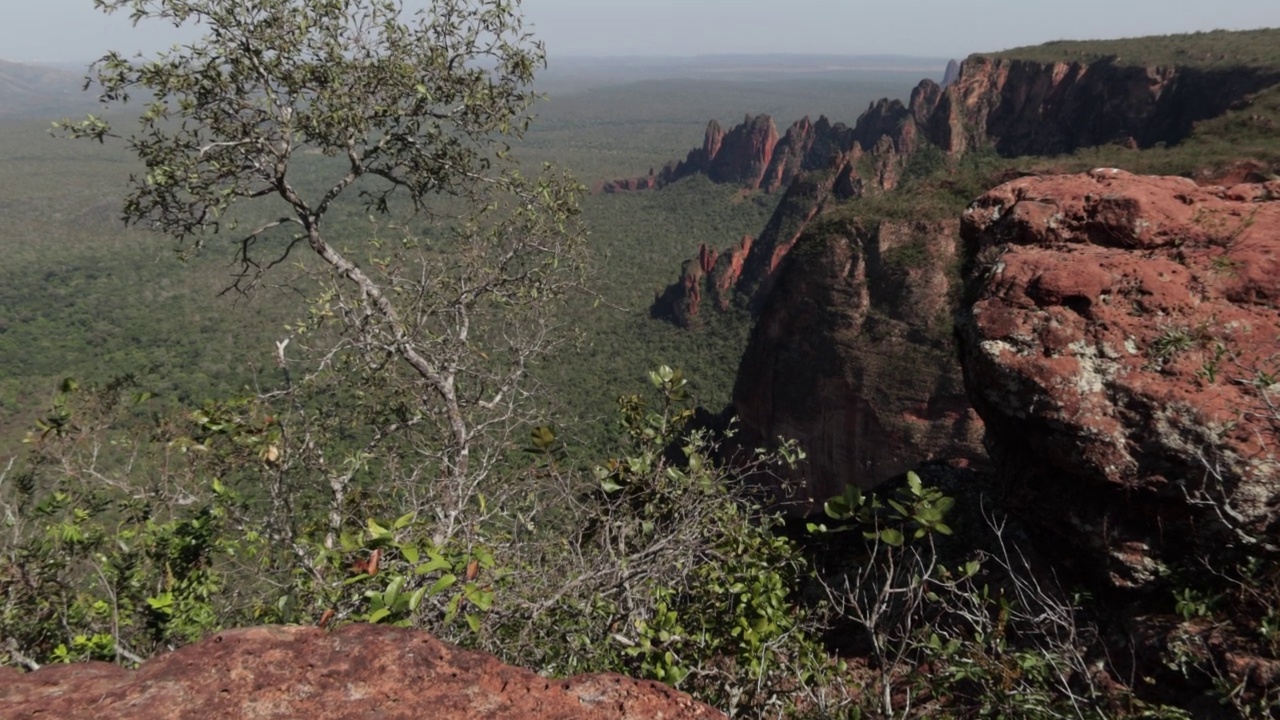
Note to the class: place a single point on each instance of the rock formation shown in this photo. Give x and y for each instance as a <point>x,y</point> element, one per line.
<point>727,270</point>
<point>951,74</point>
<point>747,270</point>
<point>1121,345</point>
<point>359,671</point>
<point>1023,107</point>
<point>1016,107</point>
<point>852,357</point>
<point>832,357</point>
<point>744,152</point>
<point>750,155</point>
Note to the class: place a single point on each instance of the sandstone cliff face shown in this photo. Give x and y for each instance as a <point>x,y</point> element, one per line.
<point>852,357</point>
<point>751,155</point>
<point>746,271</point>
<point>356,672</point>
<point>1022,107</point>
<point>744,152</point>
<point>1121,345</point>
<point>1016,107</point>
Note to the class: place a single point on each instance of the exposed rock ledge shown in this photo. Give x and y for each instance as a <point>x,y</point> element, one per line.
<point>1123,348</point>
<point>359,671</point>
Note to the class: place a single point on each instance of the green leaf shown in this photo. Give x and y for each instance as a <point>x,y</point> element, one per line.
<point>480,598</point>
<point>162,603</point>
<point>432,565</point>
<point>891,536</point>
<point>410,554</point>
<point>403,521</point>
<point>445,582</point>
<point>542,437</point>
<point>416,598</point>
<point>376,530</point>
<point>393,590</point>
<point>378,615</point>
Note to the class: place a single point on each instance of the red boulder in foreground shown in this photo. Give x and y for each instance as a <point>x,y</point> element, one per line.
<point>1123,347</point>
<point>359,671</point>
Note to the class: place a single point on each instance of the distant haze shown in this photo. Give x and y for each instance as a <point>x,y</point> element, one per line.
<point>63,31</point>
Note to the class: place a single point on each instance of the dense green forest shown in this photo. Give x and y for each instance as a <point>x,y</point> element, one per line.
<point>82,296</point>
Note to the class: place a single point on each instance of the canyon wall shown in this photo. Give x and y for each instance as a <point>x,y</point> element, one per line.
<point>820,367</point>
<point>1022,107</point>
<point>852,356</point>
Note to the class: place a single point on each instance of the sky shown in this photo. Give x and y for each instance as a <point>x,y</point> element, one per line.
<point>73,31</point>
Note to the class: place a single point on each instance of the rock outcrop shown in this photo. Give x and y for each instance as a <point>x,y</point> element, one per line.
<point>750,155</point>
<point>359,671</point>
<point>1024,107</point>
<point>1016,107</point>
<point>852,356</point>
<point>1122,343</point>
<point>746,271</point>
<point>951,74</point>
<point>744,152</point>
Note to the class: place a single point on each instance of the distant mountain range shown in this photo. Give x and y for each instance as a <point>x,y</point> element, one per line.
<point>583,72</point>
<point>36,90</point>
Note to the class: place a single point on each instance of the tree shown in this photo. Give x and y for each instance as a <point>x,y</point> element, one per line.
<point>410,114</point>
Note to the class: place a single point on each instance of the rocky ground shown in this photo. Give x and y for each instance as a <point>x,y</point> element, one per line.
<point>358,671</point>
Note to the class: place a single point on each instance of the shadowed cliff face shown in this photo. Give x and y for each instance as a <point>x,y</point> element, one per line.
<point>1021,107</point>
<point>852,357</point>
<point>750,155</point>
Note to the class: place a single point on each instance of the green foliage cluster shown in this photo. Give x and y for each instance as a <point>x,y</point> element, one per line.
<point>123,540</point>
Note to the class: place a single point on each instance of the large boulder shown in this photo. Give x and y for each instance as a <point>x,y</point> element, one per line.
<point>359,671</point>
<point>1121,339</point>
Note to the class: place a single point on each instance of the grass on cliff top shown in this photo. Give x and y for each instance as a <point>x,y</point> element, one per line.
<point>1249,133</point>
<point>1214,50</point>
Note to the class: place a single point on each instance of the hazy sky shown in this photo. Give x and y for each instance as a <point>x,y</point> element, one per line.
<point>71,30</point>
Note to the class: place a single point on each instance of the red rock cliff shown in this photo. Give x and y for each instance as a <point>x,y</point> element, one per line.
<point>1023,107</point>
<point>747,270</point>
<point>751,155</point>
<point>1121,344</point>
